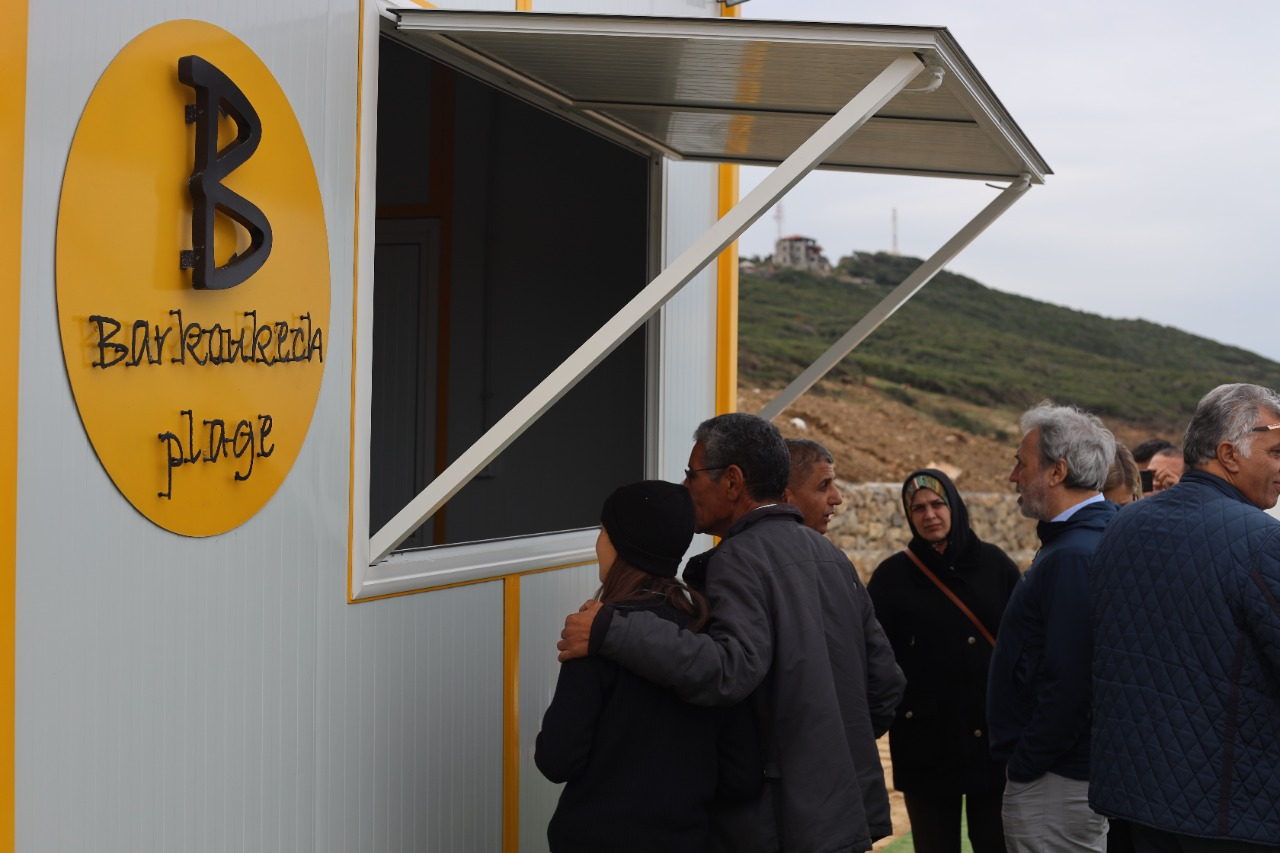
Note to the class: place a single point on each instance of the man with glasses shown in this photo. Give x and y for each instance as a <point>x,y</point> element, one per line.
<point>1186,621</point>
<point>792,632</point>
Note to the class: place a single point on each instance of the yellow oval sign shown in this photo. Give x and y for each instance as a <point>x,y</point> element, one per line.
<point>192,278</point>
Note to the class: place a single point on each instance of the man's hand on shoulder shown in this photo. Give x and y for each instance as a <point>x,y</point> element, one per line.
<point>577,632</point>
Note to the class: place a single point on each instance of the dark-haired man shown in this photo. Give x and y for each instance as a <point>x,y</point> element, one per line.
<point>1144,450</point>
<point>792,632</point>
<point>1167,467</point>
<point>1162,459</point>
<point>812,487</point>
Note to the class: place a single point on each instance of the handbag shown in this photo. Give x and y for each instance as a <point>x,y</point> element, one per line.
<point>951,595</point>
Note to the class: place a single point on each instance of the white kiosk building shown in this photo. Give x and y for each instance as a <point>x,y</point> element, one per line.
<point>309,407</point>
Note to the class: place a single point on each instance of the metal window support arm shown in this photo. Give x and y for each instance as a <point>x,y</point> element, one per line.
<point>645,304</point>
<point>896,299</point>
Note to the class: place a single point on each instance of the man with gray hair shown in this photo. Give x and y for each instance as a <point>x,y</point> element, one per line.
<point>1038,689</point>
<point>1186,624</point>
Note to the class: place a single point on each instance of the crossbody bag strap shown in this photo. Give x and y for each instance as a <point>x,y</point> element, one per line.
<point>951,595</point>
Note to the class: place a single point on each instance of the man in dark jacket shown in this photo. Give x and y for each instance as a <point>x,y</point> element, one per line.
<point>792,631</point>
<point>1186,621</point>
<point>1038,689</point>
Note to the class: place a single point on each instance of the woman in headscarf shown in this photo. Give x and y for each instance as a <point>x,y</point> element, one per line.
<point>940,602</point>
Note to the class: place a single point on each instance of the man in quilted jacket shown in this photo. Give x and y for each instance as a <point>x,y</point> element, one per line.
<point>1186,622</point>
<point>1038,689</point>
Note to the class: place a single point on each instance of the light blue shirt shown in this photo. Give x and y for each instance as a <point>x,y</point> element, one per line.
<point>1067,513</point>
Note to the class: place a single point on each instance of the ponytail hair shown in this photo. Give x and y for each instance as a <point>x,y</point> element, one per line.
<point>626,584</point>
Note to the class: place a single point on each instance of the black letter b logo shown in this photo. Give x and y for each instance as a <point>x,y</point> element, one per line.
<point>214,92</point>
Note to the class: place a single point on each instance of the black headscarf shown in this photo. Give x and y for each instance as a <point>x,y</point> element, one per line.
<point>961,540</point>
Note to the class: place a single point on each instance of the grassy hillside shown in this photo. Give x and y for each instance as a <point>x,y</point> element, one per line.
<point>961,339</point>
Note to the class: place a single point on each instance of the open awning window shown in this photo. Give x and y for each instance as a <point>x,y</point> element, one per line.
<point>737,91</point>
<point>799,96</point>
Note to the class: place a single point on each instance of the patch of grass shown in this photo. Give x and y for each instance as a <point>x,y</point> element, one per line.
<point>902,845</point>
<point>899,393</point>
<point>962,420</point>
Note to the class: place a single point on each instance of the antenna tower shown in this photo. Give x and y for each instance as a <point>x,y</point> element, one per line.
<point>894,250</point>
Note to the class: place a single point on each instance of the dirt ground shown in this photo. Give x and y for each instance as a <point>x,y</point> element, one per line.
<point>876,438</point>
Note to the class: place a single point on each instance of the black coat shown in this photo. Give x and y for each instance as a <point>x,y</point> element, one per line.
<point>792,631</point>
<point>641,766</point>
<point>938,740</point>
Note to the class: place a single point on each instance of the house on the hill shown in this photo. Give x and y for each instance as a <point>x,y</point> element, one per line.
<point>801,253</point>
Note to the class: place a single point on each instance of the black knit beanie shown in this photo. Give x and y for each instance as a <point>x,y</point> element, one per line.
<point>650,524</point>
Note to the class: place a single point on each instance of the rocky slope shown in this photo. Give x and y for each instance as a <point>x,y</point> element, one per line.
<point>877,437</point>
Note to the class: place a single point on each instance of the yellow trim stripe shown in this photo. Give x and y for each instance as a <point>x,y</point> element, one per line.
<point>727,303</point>
<point>727,286</point>
<point>511,716</point>
<point>13,98</point>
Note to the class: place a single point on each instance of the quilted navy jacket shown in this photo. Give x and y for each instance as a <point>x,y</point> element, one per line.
<point>1186,620</point>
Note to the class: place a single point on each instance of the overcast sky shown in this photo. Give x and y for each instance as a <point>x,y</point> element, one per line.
<point>1160,121</point>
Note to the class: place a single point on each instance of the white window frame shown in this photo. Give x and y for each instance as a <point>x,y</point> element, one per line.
<point>468,562</point>
<point>375,569</point>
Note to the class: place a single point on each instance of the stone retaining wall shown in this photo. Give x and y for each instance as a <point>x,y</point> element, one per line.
<point>870,525</point>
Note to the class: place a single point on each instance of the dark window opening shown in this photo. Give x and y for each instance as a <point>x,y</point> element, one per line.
<point>505,237</point>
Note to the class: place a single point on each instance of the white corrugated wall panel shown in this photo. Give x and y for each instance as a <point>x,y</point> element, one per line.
<point>219,694</point>
<point>688,322</point>
<point>545,599</point>
<point>689,319</point>
<point>410,714</point>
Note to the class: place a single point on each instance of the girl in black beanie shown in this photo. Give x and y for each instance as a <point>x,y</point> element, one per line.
<point>641,766</point>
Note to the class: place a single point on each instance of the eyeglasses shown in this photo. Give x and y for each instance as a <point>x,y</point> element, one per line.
<point>689,472</point>
<point>1266,428</point>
